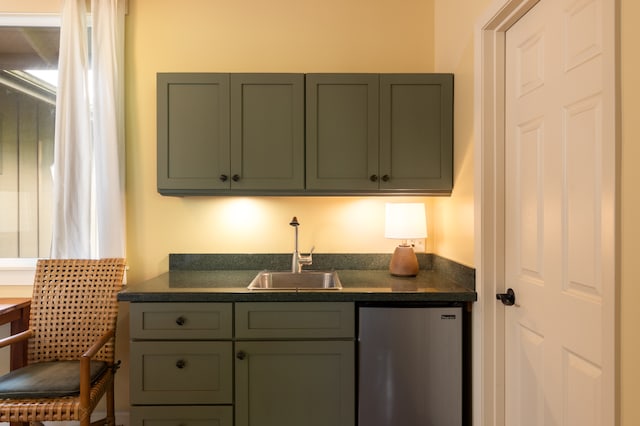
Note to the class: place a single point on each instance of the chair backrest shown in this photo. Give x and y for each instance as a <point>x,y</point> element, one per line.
<point>74,303</point>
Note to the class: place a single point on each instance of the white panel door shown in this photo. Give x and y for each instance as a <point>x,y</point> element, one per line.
<point>559,224</point>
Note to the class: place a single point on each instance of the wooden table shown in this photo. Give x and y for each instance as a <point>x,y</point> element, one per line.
<point>15,310</point>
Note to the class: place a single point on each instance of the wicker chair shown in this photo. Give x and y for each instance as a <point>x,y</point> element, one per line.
<point>71,342</point>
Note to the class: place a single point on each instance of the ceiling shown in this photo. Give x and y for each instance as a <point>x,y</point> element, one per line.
<point>29,48</point>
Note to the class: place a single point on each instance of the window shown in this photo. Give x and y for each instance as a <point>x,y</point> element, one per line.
<point>28,65</point>
<point>27,152</point>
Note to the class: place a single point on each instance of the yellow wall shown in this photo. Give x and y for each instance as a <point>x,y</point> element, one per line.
<point>454,52</point>
<point>630,212</point>
<point>30,6</point>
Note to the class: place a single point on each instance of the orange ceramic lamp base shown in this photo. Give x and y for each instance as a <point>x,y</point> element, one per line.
<point>404,262</point>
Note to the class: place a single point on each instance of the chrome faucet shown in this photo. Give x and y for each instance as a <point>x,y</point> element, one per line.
<point>298,259</point>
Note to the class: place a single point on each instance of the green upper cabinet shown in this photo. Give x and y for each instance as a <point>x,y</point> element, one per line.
<point>267,132</point>
<point>342,132</point>
<point>297,134</point>
<point>219,133</point>
<point>416,132</point>
<point>193,132</point>
<point>378,133</point>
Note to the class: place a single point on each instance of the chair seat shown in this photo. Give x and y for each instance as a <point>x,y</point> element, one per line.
<point>52,379</point>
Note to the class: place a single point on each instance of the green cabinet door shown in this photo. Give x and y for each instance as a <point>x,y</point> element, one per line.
<point>193,132</point>
<point>416,132</point>
<point>280,383</point>
<point>267,132</point>
<point>342,132</point>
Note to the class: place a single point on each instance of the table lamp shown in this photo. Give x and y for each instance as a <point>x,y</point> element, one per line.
<point>405,221</point>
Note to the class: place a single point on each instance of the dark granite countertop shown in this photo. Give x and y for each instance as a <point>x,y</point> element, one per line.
<point>198,279</point>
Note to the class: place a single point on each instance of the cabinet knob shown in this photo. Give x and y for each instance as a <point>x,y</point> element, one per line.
<point>223,178</point>
<point>180,320</point>
<point>385,178</point>
<point>241,355</point>
<point>235,178</point>
<point>373,178</point>
<point>181,363</point>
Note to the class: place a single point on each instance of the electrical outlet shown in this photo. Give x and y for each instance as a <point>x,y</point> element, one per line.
<point>418,246</point>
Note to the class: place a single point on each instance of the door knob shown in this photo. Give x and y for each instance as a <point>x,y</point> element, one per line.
<point>508,298</point>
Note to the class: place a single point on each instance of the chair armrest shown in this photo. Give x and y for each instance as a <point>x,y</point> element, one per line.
<point>98,344</point>
<point>85,359</point>
<point>16,338</point>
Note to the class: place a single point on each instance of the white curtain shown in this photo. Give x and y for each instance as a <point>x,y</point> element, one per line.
<point>89,215</point>
<point>108,125</point>
<point>72,146</point>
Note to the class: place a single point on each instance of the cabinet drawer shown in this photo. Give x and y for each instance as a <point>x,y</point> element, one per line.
<point>181,321</point>
<point>181,372</point>
<point>294,320</point>
<point>182,416</point>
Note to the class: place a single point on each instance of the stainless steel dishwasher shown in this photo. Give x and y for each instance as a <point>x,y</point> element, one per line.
<point>410,366</point>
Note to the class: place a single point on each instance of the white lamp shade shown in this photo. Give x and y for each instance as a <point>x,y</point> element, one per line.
<point>405,221</point>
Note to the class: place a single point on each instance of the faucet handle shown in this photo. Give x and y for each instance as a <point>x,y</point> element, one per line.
<point>308,256</point>
<point>305,259</point>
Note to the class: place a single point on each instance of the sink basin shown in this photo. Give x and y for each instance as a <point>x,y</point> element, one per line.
<point>305,280</point>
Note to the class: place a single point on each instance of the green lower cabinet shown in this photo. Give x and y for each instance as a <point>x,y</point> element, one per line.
<point>271,364</point>
<point>182,416</point>
<point>175,372</point>
<point>281,383</point>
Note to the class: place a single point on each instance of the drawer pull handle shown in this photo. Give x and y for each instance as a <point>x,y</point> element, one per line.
<point>181,363</point>
<point>386,178</point>
<point>241,355</point>
<point>180,320</point>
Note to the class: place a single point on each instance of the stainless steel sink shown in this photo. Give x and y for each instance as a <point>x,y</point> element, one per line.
<point>305,280</point>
